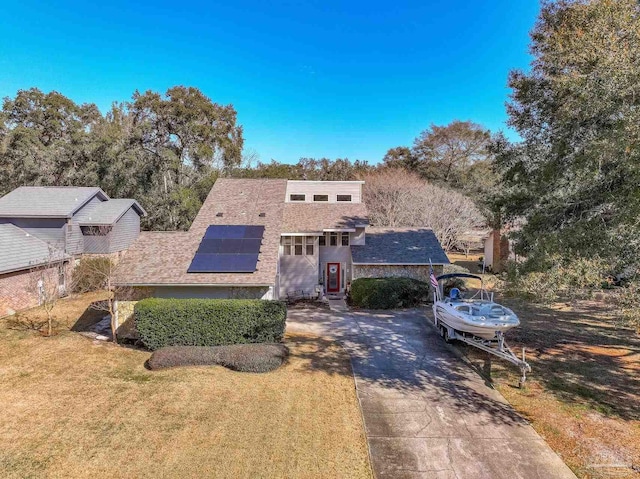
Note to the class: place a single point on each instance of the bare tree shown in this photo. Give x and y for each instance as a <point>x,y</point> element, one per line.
<point>95,274</point>
<point>48,281</point>
<point>398,198</point>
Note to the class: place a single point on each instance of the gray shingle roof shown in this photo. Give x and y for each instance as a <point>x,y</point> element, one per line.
<point>19,250</point>
<point>46,201</point>
<point>108,212</point>
<point>399,246</point>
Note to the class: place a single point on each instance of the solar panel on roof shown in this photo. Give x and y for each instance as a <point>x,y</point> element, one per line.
<point>223,263</point>
<point>254,231</point>
<point>228,249</point>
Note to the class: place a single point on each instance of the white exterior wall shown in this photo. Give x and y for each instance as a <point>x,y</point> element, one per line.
<point>488,250</point>
<point>330,188</point>
<point>336,254</point>
<point>299,272</point>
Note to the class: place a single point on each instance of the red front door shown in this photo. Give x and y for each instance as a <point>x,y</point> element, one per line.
<point>333,277</point>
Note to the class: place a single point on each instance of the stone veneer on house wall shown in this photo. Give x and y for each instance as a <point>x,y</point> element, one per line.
<point>420,272</point>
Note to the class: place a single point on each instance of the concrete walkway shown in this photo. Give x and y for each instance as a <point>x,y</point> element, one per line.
<point>426,413</point>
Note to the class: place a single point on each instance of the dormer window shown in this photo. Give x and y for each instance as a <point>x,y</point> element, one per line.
<point>297,197</point>
<point>343,198</point>
<point>320,197</point>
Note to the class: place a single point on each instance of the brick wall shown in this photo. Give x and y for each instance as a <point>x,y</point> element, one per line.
<point>19,291</point>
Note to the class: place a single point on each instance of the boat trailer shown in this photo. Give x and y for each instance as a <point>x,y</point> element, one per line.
<point>498,346</point>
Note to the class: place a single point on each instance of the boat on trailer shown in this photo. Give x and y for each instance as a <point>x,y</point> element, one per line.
<point>477,321</point>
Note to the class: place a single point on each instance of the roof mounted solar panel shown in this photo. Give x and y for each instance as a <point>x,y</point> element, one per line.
<point>228,249</point>
<point>223,263</point>
<point>254,231</point>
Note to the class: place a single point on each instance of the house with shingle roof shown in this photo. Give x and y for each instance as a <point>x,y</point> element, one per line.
<point>267,238</point>
<point>50,226</point>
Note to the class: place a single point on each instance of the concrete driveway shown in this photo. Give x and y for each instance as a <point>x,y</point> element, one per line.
<point>426,413</point>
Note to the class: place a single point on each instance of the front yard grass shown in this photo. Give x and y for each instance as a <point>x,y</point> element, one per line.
<point>74,407</point>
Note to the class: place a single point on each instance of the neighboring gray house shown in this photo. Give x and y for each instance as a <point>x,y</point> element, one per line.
<point>63,222</point>
<point>76,220</point>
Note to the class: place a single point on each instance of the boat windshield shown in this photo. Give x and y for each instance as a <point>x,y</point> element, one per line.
<point>489,310</point>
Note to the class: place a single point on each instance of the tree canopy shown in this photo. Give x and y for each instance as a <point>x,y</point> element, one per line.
<point>574,178</point>
<point>164,150</point>
<point>457,155</point>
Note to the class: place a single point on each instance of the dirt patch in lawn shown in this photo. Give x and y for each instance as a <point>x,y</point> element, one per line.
<point>73,407</point>
<point>583,395</point>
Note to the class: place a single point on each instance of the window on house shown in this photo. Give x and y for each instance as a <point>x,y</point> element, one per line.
<point>320,197</point>
<point>61,276</point>
<point>333,239</point>
<point>343,198</point>
<point>345,239</point>
<point>310,241</point>
<point>296,197</point>
<point>95,230</point>
<point>322,240</point>
<point>286,241</point>
<point>297,245</point>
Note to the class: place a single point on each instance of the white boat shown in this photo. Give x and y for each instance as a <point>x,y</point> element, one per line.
<point>477,321</point>
<point>479,315</point>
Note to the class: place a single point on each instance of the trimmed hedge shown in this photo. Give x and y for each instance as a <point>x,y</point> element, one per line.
<point>209,322</point>
<point>253,358</point>
<point>388,293</point>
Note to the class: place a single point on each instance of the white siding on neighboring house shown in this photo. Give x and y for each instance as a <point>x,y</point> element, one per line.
<point>488,250</point>
<point>75,240</point>
<point>119,238</point>
<point>125,231</point>
<point>330,188</point>
<point>96,244</point>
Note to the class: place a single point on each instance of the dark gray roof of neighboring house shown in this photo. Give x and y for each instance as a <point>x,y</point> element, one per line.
<point>315,217</point>
<point>162,258</point>
<point>399,246</point>
<point>108,212</point>
<point>47,201</point>
<point>21,251</point>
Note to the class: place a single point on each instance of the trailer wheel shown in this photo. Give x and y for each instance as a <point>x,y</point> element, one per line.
<point>445,335</point>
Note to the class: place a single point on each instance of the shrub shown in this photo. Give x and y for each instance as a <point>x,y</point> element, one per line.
<point>388,293</point>
<point>208,322</point>
<point>91,273</point>
<point>558,279</point>
<point>254,358</point>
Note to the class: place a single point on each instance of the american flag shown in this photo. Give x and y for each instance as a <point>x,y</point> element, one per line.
<point>432,277</point>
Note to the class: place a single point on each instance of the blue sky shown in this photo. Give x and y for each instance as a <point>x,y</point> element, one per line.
<point>308,78</point>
